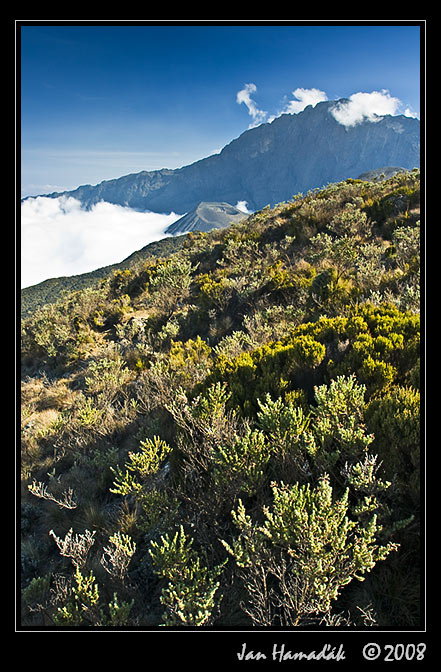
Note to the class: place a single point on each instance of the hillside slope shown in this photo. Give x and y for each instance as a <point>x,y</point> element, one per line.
<point>242,414</point>
<point>51,290</point>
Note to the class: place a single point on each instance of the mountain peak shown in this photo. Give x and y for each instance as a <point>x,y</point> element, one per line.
<point>207,216</point>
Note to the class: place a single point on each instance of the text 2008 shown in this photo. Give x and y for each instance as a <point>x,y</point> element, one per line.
<point>373,651</point>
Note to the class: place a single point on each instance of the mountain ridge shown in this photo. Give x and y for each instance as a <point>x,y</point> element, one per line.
<point>267,164</point>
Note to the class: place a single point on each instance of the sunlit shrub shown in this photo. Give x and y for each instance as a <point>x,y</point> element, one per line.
<point>191,359</point>
<point>117,555</point>
<point>383,346</point>
<point>268,369</point>
<point>140,465</point>
<point>394,419</point>
<point>88,414</point>
<point>189,598</point>
<point>215,292</point>
<point>308,547</point>
<point>107,375</point>
<point>84,607</point>
<point>169,282</point>
<point>284,423</point>
<point>242,462</point>
<point>338,426</point>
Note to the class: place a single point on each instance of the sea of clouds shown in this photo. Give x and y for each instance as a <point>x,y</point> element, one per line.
<point>59,238</point>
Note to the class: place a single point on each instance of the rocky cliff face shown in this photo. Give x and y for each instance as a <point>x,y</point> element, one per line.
<point>269,164</point>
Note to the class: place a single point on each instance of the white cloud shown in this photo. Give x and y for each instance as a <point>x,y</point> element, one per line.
<point>242,206</point>
<point>359,107</point>
<point>58,238</point>
<point>366,106</point>
<point>304,97</point>
<point>408,112</point>
<point>244,96</point>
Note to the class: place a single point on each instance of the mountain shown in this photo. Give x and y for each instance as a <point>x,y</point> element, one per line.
<point>207,216</point>
<point>268,164</point>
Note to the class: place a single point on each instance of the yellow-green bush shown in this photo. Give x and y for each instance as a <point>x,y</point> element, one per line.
<point>214,292</point>
<point>242,463</point>
<point>308,548</point>
<point>190,359</point>
<point>394,419</point>
<point>268,369</point>
<point>189,595</point>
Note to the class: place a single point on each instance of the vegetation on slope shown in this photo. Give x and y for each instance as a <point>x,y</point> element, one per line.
<point>50,291</point>
<point>229,435</point>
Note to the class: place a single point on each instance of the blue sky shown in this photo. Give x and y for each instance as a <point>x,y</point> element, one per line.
<point>98,102</point>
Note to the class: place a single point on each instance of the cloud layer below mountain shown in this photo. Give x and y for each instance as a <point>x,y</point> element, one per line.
<point>58,238</point>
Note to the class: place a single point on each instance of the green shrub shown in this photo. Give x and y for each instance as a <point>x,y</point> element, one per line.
<point>241,464</point>
<point>383,346</point>
<point>338,420</point>
<point>37,592</point>
<point>309,546</point>
<point>191,359</point>
<point>83,606</point>
<point>270,369</point>
<point>48,334</point>
<point>107,376</point>
<point>394,419</point>
<point>189,598</point>
<point>214,292</point>
<point>88,414</point>
<point>117,555</point>
<point>285,425</point>
<point>140,466</point>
